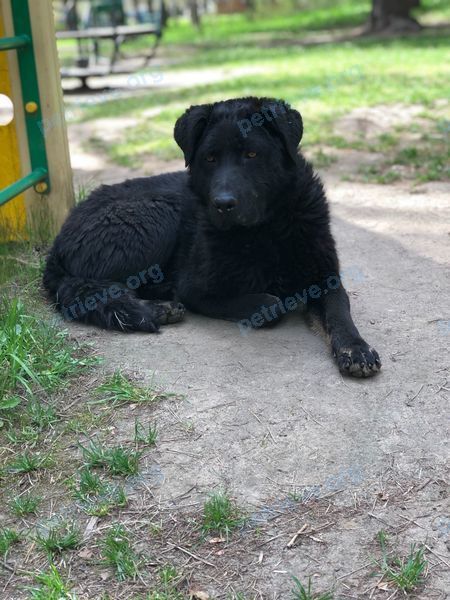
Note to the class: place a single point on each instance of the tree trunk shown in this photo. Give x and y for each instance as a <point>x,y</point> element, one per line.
<point>195,16</point>
<point>71,16</point>
<point>393,15</point>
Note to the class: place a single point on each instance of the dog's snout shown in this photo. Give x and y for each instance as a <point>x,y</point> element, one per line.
<point>224,201</point>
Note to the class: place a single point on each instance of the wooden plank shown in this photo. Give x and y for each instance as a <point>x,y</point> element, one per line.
<point>108,32</point>
<point>47,213</point>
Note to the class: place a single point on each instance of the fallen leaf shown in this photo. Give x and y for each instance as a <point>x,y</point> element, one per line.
<point>197,595</point>
<point>90,527</point>
<point>384,586</point>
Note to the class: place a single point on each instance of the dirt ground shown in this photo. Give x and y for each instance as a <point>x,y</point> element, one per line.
<point>268,417</point>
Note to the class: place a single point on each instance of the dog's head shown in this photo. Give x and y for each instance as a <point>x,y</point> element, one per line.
<point>241,154</point>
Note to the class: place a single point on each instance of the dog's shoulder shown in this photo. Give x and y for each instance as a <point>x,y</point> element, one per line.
<point>307,202</point>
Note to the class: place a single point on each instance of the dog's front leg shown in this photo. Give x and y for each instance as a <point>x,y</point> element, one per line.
<point>253,310</point>
<point>353,355</point>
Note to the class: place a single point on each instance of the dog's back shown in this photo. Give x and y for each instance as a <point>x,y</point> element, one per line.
<point>119,232</point>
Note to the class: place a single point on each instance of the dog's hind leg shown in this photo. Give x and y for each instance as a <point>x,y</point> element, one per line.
<point>107,305</point>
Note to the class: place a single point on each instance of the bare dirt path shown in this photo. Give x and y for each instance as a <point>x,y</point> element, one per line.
<point>268,417</point>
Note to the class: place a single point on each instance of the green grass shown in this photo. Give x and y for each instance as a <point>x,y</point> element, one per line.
<point>103,504</point>
<point>8,537</point>
<point>300,592</point>
<point>51,586</point>
<point>34,355</point>
<point>362,72</point>
<point>221,515</point>
<point>27,462</point>
<point>22,434</point>
<point>406,573</point>
<point>23,422</point>
<point>427,159</point>
<point>18,262</point>
<point>167,590</point>
<point>117,460</point>
<point>118,389</point>
<point>270,24</point>
<point>145,435</point>
<point>321,160</point>
<point>59,538</point>
<point>275,23</point>
<point>97,497</point>
<point>118,553</point>
<point>27,504</point>
<point>89,484</point>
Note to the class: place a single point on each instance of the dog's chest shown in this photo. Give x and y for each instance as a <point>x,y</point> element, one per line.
<point>248,265</point>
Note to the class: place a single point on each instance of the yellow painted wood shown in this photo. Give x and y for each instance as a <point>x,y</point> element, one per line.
<point>41,215</point>
<point>13,214</point>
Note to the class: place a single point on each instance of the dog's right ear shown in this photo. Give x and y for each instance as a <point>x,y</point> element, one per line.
<point>189,129</point>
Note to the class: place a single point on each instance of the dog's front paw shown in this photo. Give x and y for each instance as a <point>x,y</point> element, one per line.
<point>358,360</point>
<point>171,312</point>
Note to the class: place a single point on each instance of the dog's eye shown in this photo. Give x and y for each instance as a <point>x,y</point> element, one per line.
<point>251,154</point>
<point>211,158</point>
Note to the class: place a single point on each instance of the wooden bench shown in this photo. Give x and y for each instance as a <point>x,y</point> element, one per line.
<point>88,62</point>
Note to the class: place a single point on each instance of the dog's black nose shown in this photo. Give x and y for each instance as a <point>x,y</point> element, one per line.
<point>224,201</point>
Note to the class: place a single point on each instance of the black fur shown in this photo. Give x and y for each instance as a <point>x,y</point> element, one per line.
<point>244,230</point>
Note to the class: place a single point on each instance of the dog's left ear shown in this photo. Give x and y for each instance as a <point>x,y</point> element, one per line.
<point>287,124</point>
<point>189,129</point>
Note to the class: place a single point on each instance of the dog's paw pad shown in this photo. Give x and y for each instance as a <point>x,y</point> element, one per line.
<point>358,360</point>
<point>172,312</point>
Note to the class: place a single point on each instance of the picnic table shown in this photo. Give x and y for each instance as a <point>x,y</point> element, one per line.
<point>90,23</point>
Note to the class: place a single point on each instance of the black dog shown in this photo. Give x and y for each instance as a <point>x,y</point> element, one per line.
<point>244,236</point>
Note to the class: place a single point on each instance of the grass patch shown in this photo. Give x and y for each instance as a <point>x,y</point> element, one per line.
<point>409,70</point>
<point>61,537</point>
<point>430,159</point>
<point>167,590</point>
<point>27,462</point>
<point>40,416</point>
<point>378,174</point>
<point>118,460</point>
<point>18,262</point>
<point>321,160</point>
<point>300,592</point>
<point>406,573</point>
<point>118,389</point>
<point>27,504</point>
<point>25,424</point>
<point>145,435</point>
<point>89,484</point>
<point>221,515</point>
<point>97,497</point>
<point>51,586</point>
<point>427,159</point>
<point>34,355</point>
<point>8,537</point>
<point>22,434</point>
<point>118,553</point>
<point>104,503</point>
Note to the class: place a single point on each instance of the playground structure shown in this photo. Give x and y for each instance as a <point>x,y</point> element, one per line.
<point>36,189</point>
